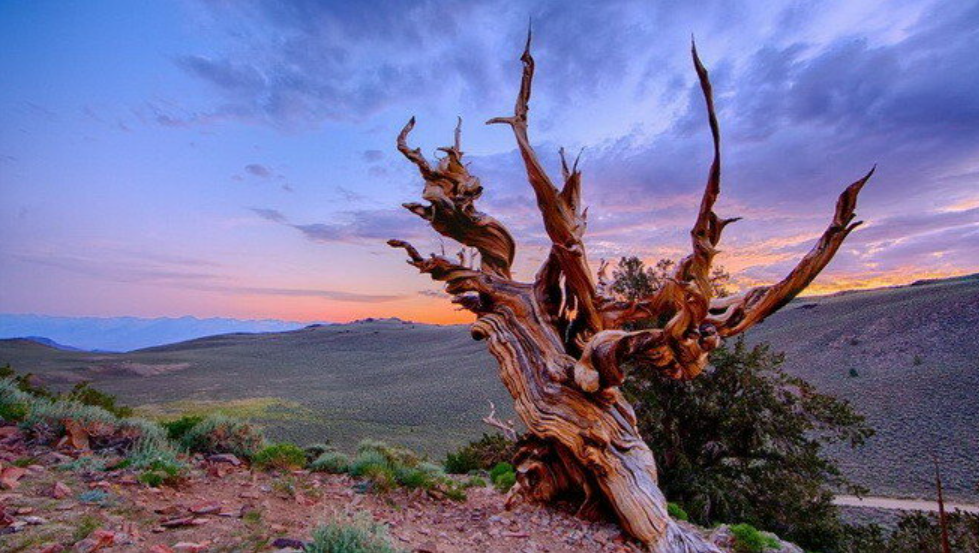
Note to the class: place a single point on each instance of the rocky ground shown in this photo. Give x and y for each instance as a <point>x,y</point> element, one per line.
<point>51,502</point>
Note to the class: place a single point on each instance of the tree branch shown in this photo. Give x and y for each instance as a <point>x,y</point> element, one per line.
<point>735,315</point>
<point>451,192</point>
<point>706,232</point>
<point>563,222</point>
<point>509,432</point>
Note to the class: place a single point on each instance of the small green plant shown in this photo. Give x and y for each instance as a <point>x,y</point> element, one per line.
<point>854,373</point>
<point>313,451</point>
<point>161,472</point>
<point>461,462</point>
<point>178,428</point>
<point>85,394</point>
<point>499,469</point>
<point>95,497</point>
<point>281,457</point>
<point>676,512</point>
<point>481,454</point>
<point>917,360</point>
<point>332,462</point>
<point>221,434</point>
<point>505,481</point>
<point>476,482</point>
<point>503,477</point>
<point>414,478</point>
<point>86,525</point>
<point>361,535</point>
<point>748,539</point>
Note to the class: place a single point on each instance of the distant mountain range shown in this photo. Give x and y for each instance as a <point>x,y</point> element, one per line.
<point>126,333</point>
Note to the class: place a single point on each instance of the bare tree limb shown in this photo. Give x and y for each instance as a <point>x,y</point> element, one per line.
<point>735,315</point>
<point>508,427</point>
<point>563,222</point>
<point>451,192</point>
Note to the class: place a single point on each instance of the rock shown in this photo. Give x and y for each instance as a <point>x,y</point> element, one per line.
<point>35,521</point>
<point>289,543</point>
<point>427,547</point>
<point>191,547</point>
<point>178,522</point>
<point>10,476</point>
<point>159,548</point>
<point>53,548</point>
<point>60,490</point>
<point>206,508</point>
<point>225,458</point>
<point>99,539</point>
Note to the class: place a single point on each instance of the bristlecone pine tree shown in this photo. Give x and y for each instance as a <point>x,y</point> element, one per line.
<point>559,340</point>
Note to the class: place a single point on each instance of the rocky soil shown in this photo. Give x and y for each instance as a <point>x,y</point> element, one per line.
<point>51,502</point>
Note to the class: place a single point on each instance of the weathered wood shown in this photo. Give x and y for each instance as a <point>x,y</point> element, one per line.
<point>559,341</point>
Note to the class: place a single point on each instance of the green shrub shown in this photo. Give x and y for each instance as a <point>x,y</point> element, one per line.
<point>503,477</point>
<point>280,456</point>
<point>332,462</point>
<point>360,536</point>
<point>748,539</point>
<point>505,481</point>
<point>476,482</point>
<point>395,455</point>
<point>481,454</point>
<point>498,469</point>
<point>85,394</point>
<point>221,434</point>
<point>676,512</point>
<point>178,428</point>
<point>461,462</point>
<point>314,451</point>
<point>368,460</point>
<point>414,478</point>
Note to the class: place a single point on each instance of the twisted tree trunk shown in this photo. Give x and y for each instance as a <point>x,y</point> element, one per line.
<point>559,341</point>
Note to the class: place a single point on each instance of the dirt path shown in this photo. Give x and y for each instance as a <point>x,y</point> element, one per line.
<point>902,504</point>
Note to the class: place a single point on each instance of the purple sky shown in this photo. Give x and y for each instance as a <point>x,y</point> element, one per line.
<point>236,158</point>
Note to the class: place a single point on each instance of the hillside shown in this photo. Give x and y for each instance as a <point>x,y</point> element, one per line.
<point>913,348</point>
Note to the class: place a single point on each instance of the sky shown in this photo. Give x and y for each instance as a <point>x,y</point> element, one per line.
<point>237,158</point>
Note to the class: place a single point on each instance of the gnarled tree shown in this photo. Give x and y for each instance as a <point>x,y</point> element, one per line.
<point>559,340</point>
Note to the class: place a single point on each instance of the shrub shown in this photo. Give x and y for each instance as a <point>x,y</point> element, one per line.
<point>505,481</point>
<point>503,477</point>
<point>748,539</point>
<point>178,428</point>
<point>481,454</point>
<point>395,455</point>
<point>315,450</point>
<point>360,536</point>
<point>332,462</point>
<point>461,462</point>
<point>85,394</point>
<point>498,469</point>
<point>475,482</point>
<point>676,512</point>
<point>280,456</point>
<point>221,434</point>
<point>367,460</point>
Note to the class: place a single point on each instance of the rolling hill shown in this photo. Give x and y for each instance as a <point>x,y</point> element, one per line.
<point>914,352</point>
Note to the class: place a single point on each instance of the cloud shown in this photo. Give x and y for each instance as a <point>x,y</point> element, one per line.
<point>371,156</point>
<point>259,170</point>
<point>808,99</point>
<point>368,226</point>
<point>269,214</point>
<point>173,271</point>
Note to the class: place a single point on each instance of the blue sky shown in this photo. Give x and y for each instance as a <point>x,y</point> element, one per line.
<point>236,158</point>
